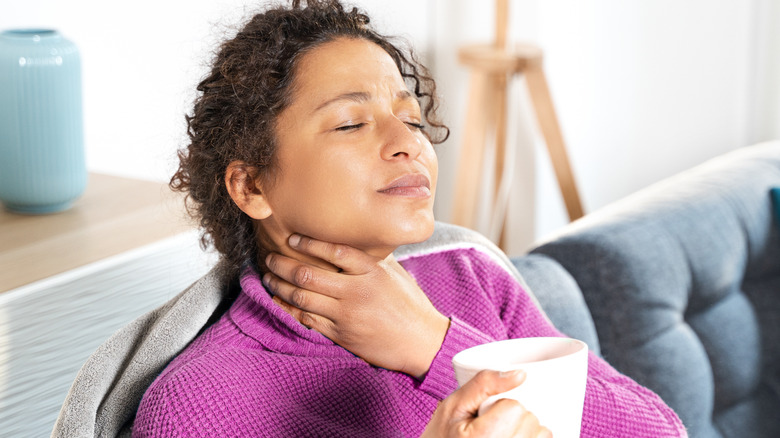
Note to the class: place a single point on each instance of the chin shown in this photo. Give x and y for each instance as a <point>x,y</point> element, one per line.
<point>383,237</point>
<point>415,231</point>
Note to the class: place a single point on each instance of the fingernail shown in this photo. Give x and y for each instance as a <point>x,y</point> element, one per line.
<point>511,373</point>
<point>294,240</point>
<point>268,259</point>
<point>265,280</point>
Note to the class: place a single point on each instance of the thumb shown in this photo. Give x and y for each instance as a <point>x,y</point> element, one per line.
<point>487,383</point>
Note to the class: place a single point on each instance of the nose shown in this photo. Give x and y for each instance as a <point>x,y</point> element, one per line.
<point>399,140</point>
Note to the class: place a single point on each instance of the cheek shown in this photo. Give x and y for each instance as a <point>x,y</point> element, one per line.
<point>431,162</point>
<point>317,185</point>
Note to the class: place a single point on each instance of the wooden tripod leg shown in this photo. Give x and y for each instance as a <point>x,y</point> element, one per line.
<point>500,107</point>
<point>468,178</point>
<point>501,85</point>
<point>548,122</point>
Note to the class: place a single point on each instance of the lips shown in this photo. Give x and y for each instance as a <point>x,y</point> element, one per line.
<point>414,185</point>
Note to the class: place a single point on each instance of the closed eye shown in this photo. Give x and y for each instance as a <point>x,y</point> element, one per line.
<point>416,126</point>
<point>350,127</point>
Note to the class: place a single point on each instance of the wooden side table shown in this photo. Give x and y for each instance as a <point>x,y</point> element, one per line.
<point>69,280</point>
<point>113,216</point>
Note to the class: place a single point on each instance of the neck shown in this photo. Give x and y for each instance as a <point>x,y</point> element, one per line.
<point>274,239</point>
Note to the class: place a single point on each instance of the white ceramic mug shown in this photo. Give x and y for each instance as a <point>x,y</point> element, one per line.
<point>556,372</point>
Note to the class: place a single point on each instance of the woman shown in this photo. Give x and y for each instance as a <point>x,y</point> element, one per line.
<point>310,162</point>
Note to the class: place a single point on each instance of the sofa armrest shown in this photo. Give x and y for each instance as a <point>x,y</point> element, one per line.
<point>559,296</point>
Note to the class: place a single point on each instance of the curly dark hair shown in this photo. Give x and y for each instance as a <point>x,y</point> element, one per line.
<point>249,85</point>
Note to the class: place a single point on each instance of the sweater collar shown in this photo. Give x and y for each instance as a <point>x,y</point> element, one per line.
<point>255,313</point>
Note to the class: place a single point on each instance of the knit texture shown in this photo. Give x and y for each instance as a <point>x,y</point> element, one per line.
<point>258,372</point>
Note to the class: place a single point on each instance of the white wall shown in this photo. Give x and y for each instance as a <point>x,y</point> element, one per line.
<point>666,87</point>
<point>765,108</point>
<point>141,61</point>
<point>643,88</point>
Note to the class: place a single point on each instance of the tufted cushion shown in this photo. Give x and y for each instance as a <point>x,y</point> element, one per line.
<point>683,283</point>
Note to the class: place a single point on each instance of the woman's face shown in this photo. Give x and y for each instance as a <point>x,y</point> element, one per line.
<point>353,165</point>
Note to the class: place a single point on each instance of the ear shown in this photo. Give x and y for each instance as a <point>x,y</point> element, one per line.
<point>243,185</point>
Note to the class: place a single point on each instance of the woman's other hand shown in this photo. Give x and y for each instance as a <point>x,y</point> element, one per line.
<point>456,415</point>
<point>372,307</point>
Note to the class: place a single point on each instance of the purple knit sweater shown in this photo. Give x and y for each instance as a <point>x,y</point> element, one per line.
<point>258,372</point>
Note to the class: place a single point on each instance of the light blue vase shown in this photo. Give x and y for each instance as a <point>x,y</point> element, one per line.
<point>42,165</point>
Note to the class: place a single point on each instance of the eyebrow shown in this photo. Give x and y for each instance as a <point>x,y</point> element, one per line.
<point>361,97</point>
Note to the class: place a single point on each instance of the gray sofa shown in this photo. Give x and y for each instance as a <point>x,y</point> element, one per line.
<point>678,286</point>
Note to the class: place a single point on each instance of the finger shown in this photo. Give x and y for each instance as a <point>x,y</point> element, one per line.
<point>292,310</point>
<point>350,260</point>
<point>544,433</point>
<point>529,425</point>
<point>308,319</point>
<point>298,297</point>
<point>302,274</point>
<point>506,417</point>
